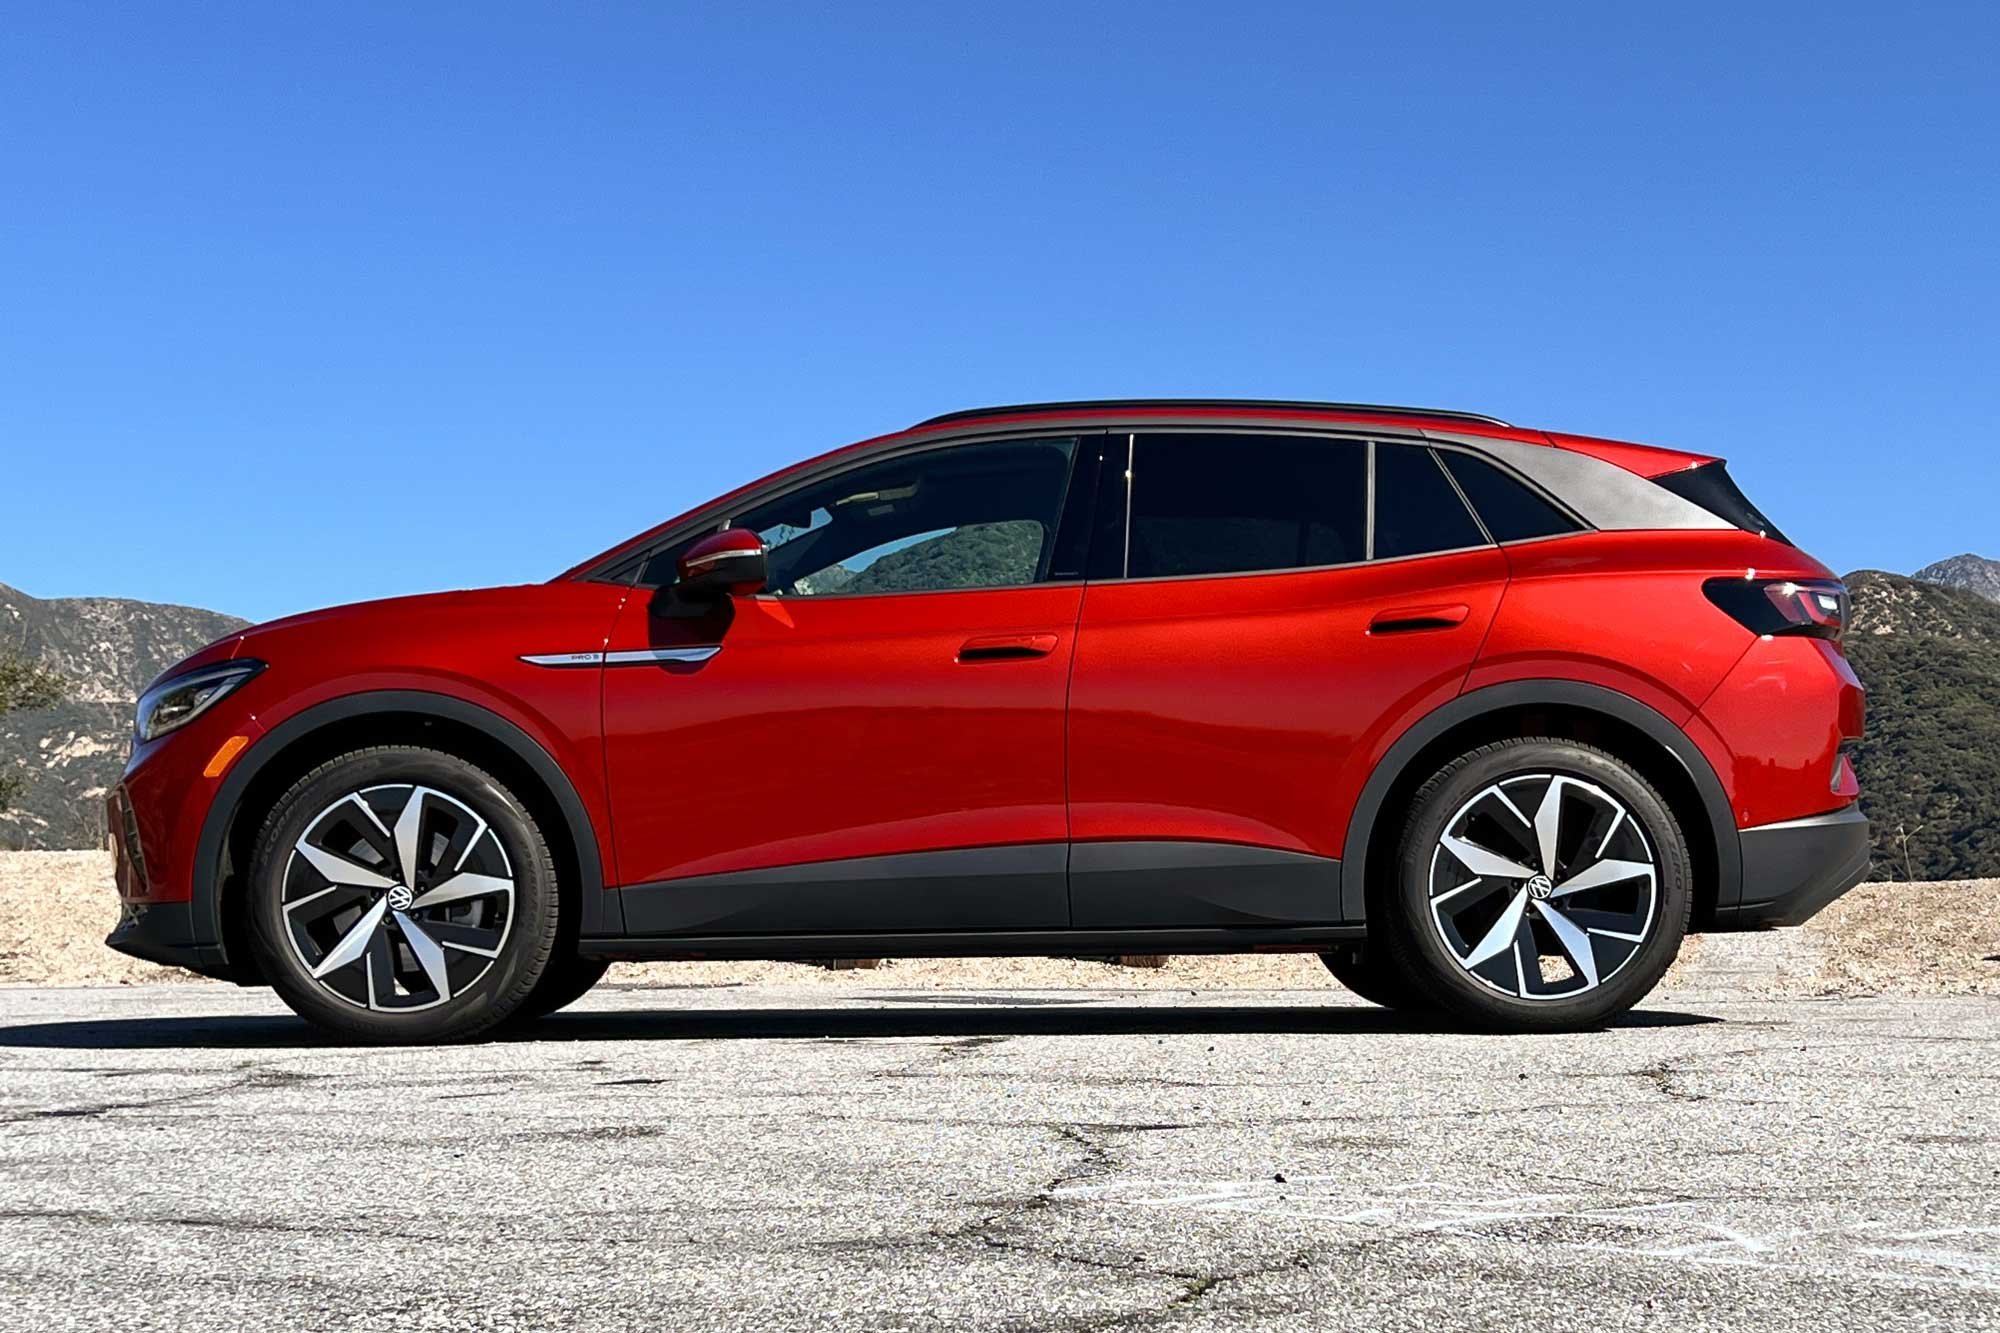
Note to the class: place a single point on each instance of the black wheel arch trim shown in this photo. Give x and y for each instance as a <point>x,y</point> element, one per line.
<point>600,912</point>
<point>1529,693</point>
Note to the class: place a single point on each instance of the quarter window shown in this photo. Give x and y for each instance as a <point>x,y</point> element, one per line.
<point>1510,511</point>
<point>977,516</point>
<point>1417,511</point>
<point>1226,504</point>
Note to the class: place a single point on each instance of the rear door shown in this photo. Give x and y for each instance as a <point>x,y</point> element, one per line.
<point>1264,608</point>
<point>876,742</point>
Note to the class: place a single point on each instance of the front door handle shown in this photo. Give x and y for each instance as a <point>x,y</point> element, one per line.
<point>1001,647</point>
<point>1411,619</point>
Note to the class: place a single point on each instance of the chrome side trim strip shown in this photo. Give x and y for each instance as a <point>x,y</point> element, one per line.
<point>625,657</point>
<point>563,659</point>
<point>1847,814</point>
<point>637,657</point>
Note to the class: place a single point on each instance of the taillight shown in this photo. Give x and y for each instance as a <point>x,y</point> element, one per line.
<point>1816,608</point>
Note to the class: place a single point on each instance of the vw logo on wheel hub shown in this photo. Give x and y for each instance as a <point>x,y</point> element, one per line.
<point>1539,888</point>
<point>400,898</point>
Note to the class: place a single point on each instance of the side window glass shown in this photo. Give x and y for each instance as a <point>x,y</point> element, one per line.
<point>975,516</point>
<point>1416,509</point>
<point>1224,504</point>
<point>1510,510</point>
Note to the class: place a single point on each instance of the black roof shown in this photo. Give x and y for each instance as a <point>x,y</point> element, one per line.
<point>1019,409</point>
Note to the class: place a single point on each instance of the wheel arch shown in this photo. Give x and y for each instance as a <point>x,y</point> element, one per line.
<point>1572,710</point>
<point>388,717</point>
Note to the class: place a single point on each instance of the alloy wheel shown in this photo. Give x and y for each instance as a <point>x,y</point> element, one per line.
<point>397,897</point>
<point>1543,886</point>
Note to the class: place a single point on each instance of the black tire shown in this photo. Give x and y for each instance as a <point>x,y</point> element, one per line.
<point>1416,939</point>
<point>446,789</point>
<point>1364,969</point>
<point>567,979</point>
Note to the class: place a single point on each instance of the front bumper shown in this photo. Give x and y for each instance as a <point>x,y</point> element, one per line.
<point>159,932</point>
<point>165,933</point>
<point>1793,869</point>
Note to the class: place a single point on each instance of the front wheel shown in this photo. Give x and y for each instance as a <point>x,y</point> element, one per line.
<point>402,895</point>
<point>1543,885</point>
<point>567,980</point>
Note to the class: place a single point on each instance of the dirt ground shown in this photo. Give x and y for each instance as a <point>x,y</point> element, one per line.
<point>1881,939</point>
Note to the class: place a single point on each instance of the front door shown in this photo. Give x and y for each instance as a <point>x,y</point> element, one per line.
<point>876,743</point>
<point>1237,662</point>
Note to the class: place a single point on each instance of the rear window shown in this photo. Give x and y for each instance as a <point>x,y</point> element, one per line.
<point>1711,487</point>
<point>1510,511</point>
<point>1416,509</point>
<point>1240,504</point>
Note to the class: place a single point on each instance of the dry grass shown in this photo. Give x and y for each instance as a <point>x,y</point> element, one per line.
<point>1899,939</point>
<point>1937,938</point>
<point>55,910</point>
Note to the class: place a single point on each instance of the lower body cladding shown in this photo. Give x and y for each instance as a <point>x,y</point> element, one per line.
<point>1136,897</point>
<point>1126,897</point>
<point>1793,869</point>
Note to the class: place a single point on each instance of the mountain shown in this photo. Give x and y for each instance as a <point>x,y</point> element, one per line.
<point>974,556</point>
<point>1967,573</point>
<point>69,755</point>
<point>1930,762</point>
<point>1929,655</point>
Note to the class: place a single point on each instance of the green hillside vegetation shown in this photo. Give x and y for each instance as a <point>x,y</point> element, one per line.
<point>979,555</point>
<point>23,685</point>
<point>1930,763</point>
<point>1930,656</point>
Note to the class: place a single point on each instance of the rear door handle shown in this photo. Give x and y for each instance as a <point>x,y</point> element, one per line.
<point>1001,647</point>
<point>1412,619</point>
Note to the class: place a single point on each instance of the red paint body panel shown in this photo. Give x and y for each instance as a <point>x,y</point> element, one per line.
<point>1245,709</point>
<point>1783,713</point>
<point>168,798</point>
<point>1648,460</point>
<point>834,727</point>
<point>1626,610</point>
<point>466,645</point>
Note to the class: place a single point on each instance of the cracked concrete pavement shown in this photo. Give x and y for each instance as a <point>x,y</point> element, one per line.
<point>787,1158</point>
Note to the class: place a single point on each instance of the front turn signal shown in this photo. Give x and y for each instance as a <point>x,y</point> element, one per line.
<point>225,755</point>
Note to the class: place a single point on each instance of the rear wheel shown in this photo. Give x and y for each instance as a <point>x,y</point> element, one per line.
<point>402,895</point>
<point>1543,885</point>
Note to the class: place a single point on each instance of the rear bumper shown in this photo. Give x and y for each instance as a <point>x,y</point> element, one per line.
<point>1793,869</point>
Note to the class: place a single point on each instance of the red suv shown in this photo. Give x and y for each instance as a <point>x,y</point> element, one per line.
<point>1487,717</point>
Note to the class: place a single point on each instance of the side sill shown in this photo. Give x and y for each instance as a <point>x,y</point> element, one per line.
<point>1020,886</point>
<point>1199,885</point>
<point>968,944</point>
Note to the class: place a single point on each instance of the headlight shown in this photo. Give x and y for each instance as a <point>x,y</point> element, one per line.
<point>179,700</point>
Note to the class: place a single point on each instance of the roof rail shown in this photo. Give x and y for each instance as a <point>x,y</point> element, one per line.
<point>1019,409</point>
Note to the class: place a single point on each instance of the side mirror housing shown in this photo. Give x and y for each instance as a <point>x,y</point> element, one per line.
<point>729,563</point>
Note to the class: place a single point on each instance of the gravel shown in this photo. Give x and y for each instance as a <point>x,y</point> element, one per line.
<point>1881,939</point>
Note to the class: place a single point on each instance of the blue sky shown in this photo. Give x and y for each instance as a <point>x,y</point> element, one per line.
<point>307,304</point>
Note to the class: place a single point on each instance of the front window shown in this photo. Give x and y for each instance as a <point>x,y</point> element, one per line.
<point>975,516</point>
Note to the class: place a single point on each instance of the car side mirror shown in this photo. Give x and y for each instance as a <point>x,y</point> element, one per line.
<point>729,563</point>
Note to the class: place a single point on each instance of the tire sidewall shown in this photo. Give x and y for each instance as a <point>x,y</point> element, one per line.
<point>531,934</point>
<point>1446,978</point>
